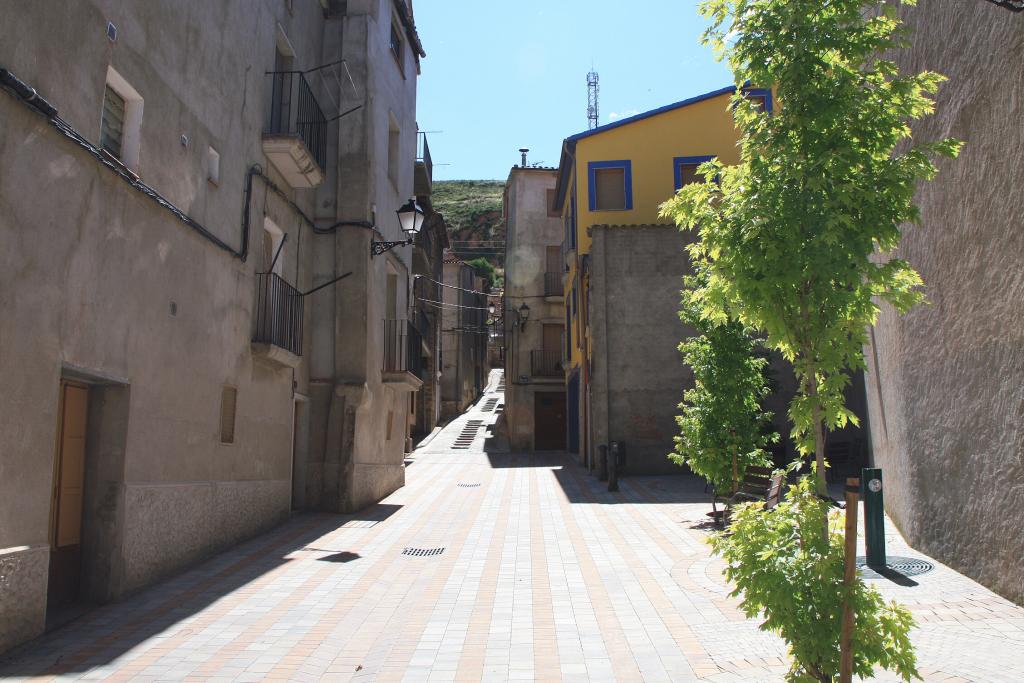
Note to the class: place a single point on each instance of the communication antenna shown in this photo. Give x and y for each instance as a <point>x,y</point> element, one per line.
<point>592,91</point>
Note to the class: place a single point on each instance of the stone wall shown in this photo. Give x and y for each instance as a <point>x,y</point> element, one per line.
<point>945,383</point>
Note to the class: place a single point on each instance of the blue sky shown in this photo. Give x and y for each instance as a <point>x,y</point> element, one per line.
<point>503,75</point>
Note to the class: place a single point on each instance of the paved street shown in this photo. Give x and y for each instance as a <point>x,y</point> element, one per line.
<point>531,571</point>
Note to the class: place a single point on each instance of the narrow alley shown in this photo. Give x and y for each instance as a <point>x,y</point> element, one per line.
<point>488,565</point>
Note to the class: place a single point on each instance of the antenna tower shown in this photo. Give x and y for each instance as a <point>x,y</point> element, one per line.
<point>592,91</point>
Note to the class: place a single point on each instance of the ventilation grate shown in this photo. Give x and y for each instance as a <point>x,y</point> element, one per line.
<point>907,566</point>
<point>422,552</point>
<point>469,486</point>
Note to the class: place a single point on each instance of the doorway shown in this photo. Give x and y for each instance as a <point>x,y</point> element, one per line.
<point>65,572</point>
<point>549,421</point>
<point>300,452</point>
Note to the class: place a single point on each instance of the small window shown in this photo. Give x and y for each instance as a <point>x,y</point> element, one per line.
<point>112,125</point>
<point>121,120</point>
<point>213,166</point>
<point>762,99</point>
<point>394,136</point>
<point>686,170</point>
<point>228,400</point>
<point>610,185</point>
<point>396,44</point>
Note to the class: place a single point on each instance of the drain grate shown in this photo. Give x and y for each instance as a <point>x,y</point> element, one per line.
<point>469,486</point>
<point>907,566</point>
<point>422,552</point>
<point>468,434</point>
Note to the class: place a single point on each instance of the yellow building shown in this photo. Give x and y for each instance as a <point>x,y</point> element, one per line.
<point>618,175</point>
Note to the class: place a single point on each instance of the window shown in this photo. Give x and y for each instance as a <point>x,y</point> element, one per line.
<point>685,169</point>
<point>213,166</point>
<point>394,136</point>
<point>112,126</point>
<point>553,211</point>
<point>121,120</point>
<point>228,400</point>
<point>610,185</point>
<point>396,45</point>
<point>762,99</point>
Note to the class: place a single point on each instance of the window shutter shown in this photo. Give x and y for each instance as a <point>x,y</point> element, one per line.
<point>610,185</point>
<point>112,124</point>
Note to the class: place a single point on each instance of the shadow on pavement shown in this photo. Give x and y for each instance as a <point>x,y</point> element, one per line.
<point>104,633</point>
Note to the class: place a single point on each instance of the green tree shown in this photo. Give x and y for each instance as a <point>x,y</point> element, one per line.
<point>798,237</point>
<point>791,575</point>
<point>485,269</point>
<point>723,429</point>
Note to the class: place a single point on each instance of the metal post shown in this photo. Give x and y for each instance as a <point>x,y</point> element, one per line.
<point>874,516</point>
<point>613,467</point>
<point>849,577</point>
<point>602,468</point>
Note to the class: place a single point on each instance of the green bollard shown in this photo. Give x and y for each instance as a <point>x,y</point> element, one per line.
<point>874,516</point>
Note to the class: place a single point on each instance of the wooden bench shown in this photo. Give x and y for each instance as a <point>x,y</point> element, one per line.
<point>758,484</point>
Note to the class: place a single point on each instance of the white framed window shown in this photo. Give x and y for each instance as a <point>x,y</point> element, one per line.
<point>213,166</point>
<point>121,120</point>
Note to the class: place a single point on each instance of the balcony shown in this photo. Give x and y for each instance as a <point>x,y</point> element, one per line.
<point>403,355</point>
<point>423,179</point>
<point>546,364</point>
<point>295,134</point>
<point>278,334</point>
<point>553,290</point>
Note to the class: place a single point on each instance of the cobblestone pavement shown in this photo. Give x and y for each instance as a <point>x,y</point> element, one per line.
<point>543,576</point>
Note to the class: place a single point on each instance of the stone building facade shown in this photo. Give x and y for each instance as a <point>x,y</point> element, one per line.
<point>945,382</point>
<point>534,268</point>
<point>172,383</point>
<point>463,336</point>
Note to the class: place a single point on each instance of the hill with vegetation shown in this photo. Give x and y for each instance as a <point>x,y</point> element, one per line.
<point>472,210</point>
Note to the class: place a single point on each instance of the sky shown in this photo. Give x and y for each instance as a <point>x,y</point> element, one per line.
<point>501,75</point>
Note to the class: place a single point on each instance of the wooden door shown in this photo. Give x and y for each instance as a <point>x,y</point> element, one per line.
<point>549,421</point>
<point>69,479</point>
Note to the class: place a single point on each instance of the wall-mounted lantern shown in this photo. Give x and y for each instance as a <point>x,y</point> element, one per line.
<point>524,315</point>
<point>410,217</point>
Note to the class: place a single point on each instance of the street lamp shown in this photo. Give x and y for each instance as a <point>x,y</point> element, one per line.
<point>410,218</point>
<point>490,308</point>
<point>524,315</point>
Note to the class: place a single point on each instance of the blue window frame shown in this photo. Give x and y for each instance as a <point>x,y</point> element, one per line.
<point>680,164</point>
<point>760,93</point>
<point>627,175</point>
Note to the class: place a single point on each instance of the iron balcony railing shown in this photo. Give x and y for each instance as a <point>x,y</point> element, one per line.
<point>553,284</point>
<point>294,112</point>
<point>403,348</point>
<point>423,154</point>
<point>546,363</point>
<point>278,313</point>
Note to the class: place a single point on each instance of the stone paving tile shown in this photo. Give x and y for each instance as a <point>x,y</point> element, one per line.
<point>545,576</point>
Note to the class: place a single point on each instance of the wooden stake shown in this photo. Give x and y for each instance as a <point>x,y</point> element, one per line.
<point>849,577</point>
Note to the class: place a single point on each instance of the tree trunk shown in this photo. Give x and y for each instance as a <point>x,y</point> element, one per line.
<point>811,387</point>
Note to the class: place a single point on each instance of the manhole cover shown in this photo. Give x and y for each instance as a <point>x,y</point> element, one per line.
<point>422,552</point>
<point>469,486</point>
<point>907,566</point>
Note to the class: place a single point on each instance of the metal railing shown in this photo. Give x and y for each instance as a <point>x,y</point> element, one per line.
<point>278,313</point>
<point>294,111</point>
<point>546,363</point>
<point>553,284</point>
<point>423,153</point>
<point>403,348</point>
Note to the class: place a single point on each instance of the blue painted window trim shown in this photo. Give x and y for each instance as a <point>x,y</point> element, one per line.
<point>762,92</point>
<point>626,165</point>
<point>679,162</point>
